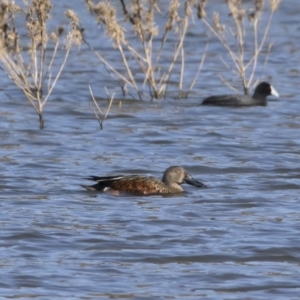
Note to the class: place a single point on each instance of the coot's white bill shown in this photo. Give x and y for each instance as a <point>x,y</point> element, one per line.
<point>274,92</point>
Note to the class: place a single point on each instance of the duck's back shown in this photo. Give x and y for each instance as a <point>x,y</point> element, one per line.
<point>140,185</point>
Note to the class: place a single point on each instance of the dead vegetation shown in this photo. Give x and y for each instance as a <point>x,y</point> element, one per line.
<point>147,51</point>
<point>28,58</point>
<point>248,33</point>
<point>100,115</point>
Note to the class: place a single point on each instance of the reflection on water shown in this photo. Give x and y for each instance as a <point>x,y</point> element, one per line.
<point>238,239</point>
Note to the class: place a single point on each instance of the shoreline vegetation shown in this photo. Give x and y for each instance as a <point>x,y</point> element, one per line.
<point>149,37</point>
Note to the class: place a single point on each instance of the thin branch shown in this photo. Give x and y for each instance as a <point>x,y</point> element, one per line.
<point>98,113</point>
<point>57,76</point>
<point>199,68</point>
<point>182,69</point>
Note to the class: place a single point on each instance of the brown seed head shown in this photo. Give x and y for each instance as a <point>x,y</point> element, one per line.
<point>100,9</point>
<point>77,36</point>
<point>90,5</point>
<point>200,9</point>
<point>274,4</point>
<point>60,30</point>
<point>4,6</point>
<point>72,16</point>
<point>236,10</point>
<point>217,23</point>
<point>200,12</point>
<point>53,37</point>
<point>259,5</point>
<point>251,16</point>
<point>173,14</point>
<point>188,8</point>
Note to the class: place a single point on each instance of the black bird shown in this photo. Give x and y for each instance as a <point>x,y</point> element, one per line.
<point>259,97</point>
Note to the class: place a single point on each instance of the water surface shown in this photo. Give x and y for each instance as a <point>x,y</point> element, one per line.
<point>238,239</point>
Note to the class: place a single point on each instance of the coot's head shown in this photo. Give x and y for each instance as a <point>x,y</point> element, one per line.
<point>264,89</point>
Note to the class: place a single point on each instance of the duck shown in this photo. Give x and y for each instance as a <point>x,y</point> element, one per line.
<point>171,182</point>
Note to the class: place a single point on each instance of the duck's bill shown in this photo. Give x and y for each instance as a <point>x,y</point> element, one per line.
<point>195,182</point>
<point>274,92</point>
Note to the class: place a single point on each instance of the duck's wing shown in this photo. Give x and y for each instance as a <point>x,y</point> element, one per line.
<point>105,178</point>
<point>104,182</point>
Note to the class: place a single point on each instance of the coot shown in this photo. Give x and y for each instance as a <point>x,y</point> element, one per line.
<point>259,97</point>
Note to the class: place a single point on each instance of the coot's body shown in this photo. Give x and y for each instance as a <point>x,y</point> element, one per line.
<point>259,97</point>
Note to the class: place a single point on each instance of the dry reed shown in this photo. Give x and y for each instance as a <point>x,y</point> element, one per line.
<point>144,52</point>
<point>32,70</point>
<point>244,66</point>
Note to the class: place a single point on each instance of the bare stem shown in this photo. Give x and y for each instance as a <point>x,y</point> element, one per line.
<point>98,112</point>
